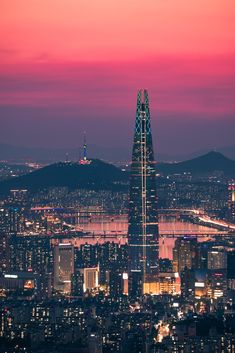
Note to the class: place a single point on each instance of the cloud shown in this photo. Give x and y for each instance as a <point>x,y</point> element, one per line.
<point>192,100</point>
<point>175,84</point>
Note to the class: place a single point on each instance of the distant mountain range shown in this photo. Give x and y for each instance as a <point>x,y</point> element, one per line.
<point>100,175</point>
<point>16,154</point>
<point>207,164</point>
<point>228,151</point>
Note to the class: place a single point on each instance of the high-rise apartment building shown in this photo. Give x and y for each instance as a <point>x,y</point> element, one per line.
<point>217,258</point>
<point>63,267</point>
<point>90,278</point>
<point>184,253</point>
<point>231,269</point>
<point>231,202</point>
<point>143,218</point>
<point>31,254</point>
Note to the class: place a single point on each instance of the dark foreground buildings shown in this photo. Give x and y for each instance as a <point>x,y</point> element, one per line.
<point>143,220</point>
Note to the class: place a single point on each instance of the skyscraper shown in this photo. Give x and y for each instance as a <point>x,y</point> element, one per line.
<point>143,218</point>
<point>184,253</point>
<point>63,267</point>
<point>231,202</point>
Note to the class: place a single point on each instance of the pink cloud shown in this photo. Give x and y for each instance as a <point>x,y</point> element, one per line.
<point>197,85</point>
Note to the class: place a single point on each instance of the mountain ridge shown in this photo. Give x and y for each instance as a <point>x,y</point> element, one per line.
<point>101,175</point>
<point>208,163</point>
<point>97,175</point>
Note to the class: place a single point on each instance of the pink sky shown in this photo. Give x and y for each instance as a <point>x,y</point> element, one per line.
<point>91,30</point>
<point>84,56</point>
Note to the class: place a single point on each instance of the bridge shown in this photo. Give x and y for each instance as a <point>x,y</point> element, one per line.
<point>193,233</point>
<point>78,239</point>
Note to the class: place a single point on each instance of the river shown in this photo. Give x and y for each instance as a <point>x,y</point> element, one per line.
<point>169,227</point>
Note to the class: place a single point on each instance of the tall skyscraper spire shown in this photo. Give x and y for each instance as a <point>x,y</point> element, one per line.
<point>143,218</point>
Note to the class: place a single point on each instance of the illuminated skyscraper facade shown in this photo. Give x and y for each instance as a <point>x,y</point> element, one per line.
<point>231,202</point>
<point>143,217</point>
<point>63,267</point>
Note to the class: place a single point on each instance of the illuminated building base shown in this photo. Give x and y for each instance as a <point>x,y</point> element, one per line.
<point>163,283</point>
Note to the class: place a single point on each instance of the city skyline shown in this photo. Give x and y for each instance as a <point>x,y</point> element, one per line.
<point>84,267</point>
<point>117,215</point>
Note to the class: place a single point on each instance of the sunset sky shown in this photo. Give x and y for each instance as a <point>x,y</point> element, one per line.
<point>72,65</point>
